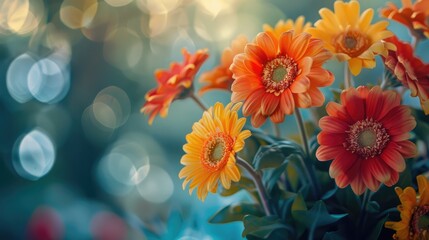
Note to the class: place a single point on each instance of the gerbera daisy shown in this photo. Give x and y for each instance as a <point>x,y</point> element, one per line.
<point>173,83</point>
<point>221,77</point>
<point>409,70</point>
<point>210,150</point>
<point>366,136</point>
<point>350,36</point>
<point>298,26</point>
<point>273,76</point>
<point>413,207</point>
<point>414,16</point>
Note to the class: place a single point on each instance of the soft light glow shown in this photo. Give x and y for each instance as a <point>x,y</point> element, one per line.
<point>78,13</point>
<point>47,82</point>
<point>34,155</point>
<point>157,187</point>
<point>123,48</point>
<point>16,78</point>
<point>111,107</point>
<point>157,6</point>
<point>118,3</point>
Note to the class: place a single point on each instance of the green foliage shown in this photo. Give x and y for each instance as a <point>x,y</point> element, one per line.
<point>274,155</point>
<point>245,183</point>
<point>264,227</point>
<point>236,212</point>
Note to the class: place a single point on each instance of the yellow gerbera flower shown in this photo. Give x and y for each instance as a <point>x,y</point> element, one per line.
<point>350,36</point>
<point>299,26</point>
<point>413,207</point>
<point>210,150</point>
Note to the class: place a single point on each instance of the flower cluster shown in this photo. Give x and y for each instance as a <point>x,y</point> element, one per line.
<point>362,147</point>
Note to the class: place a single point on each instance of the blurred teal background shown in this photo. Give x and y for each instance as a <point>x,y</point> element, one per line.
<point>79,161</point>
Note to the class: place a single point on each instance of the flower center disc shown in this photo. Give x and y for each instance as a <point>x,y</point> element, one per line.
<point>419,224</point>
<point>352,43</point>
<point>278,74</point>
<point>367,138</point>
<point>216,150</point>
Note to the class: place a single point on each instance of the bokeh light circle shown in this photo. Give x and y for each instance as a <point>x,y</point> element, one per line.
<point>157,187</point>
<point>111,107</point>
<point>47,82</point>
<point>16,78</point>
<point>34,155</point>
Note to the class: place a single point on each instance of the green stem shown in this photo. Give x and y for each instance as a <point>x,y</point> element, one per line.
<point>198,101</point>
<point>363,206</point>
<point>276,128</point>
<point>307,167</point>
<point>415,42</point>
<point>258,183</point>
<point>347,76</point>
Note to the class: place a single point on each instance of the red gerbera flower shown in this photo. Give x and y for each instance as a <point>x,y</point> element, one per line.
<point>409,70</point>
<point>415,16</point>
<point>273,76</point>
<point>366,136</point>
<point>173,83</point>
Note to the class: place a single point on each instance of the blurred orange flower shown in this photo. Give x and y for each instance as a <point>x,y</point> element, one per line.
<point>211,148</point>
<point>298,26</point>
<point>273,76</point>
<point>173,83</point>
<point>409,70</point>
<point>350,36</point>
<point>367,138</point>
<point>414,16</point>
<point>221,77</point>
<point>413,207</point>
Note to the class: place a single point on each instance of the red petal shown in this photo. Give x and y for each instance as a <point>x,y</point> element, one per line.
<point>344,161</point>
<point>331,139</point>
<point>333,125</point>
<point>325,153</point>
<point>393,158</point>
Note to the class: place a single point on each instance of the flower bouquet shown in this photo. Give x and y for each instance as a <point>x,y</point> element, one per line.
<point>355,171</point>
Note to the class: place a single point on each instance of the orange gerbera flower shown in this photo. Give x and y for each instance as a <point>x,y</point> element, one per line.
<point>350,36</point>
<point>298,26</point>
<point>173,83</point>
<point>211,148</point>
<point>414,16</point>
<point>221,77</point>
<point>413,207</point>
<point>366,136</point>
<point>409,70</point>
<point>275,76</point>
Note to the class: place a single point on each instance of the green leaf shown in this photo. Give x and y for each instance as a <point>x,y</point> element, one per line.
<point>298,204</point>
<point>337,93</point>
<point>376,230</point>
<point>236,212</point>
<point>263,227</point>
<point>316,217</point>
<point>293,175</point>
<point>272,175</point>
<point>274,155</point>
<point>244,183</point>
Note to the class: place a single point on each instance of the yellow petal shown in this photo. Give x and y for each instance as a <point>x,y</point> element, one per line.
<point>355,66</point>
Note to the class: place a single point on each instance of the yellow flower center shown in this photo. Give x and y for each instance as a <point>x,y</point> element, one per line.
<point>419,224</point>
<point>278,74</point>
<point>216,151</point>
<point>352,43</point>
<point>367,138</point>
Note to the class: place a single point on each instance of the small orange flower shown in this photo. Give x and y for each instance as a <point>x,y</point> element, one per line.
<point>221,77</point>
<point>298,26</point>
<point>414,16</point>
<point>413,208</point>
<point>273,76</point>
<point>173,83</point>
<point>211,148</point>
<point>350,36</point>
<point>409,70</point>
<point>366,136</point>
